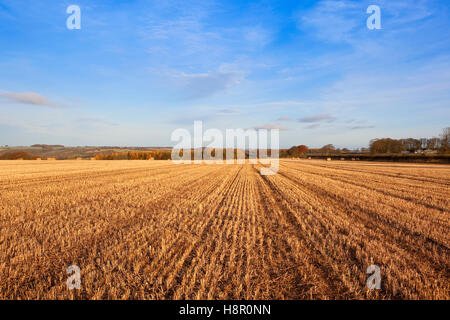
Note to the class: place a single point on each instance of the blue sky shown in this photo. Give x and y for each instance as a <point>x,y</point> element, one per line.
<point>137,70</point>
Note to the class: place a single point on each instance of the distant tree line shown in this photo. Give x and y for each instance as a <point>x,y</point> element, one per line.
<point>17,155</point>
<point>135,155</point>
<point>411,145</point>
<point>210,155</point>
<point>294,152</point>
<point>330,149</point>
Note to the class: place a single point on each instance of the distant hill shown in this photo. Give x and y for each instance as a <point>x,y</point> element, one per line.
<point>47,146</point>
<point>61,152</point>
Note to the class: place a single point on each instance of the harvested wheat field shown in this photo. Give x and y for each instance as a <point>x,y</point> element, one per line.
<point>156,230</point>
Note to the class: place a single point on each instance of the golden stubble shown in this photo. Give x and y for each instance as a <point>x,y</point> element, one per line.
<point>156,230</point>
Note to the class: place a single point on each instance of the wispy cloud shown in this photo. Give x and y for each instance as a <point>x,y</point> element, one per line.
<point>95,121</point>
<point>201,85</point>
<point>332,20</point>
<point>284,119</point>
<point>257,36</point>
<point>30,98</point>
<point>344,20</point>
<point>194,31</point>
<point>313,126</point>
<point>228,112</point>
<point>362,127</point>
<point>270,126</point>
<point>317,118</point>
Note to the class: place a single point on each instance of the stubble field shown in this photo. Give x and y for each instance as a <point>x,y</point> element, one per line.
<point>156,230</point>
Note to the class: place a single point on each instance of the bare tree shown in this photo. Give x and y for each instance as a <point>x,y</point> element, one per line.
<point>445,139</point>
<point>433,143</point>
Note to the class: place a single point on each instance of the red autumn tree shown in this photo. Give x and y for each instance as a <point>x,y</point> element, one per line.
<point>302,149</point>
